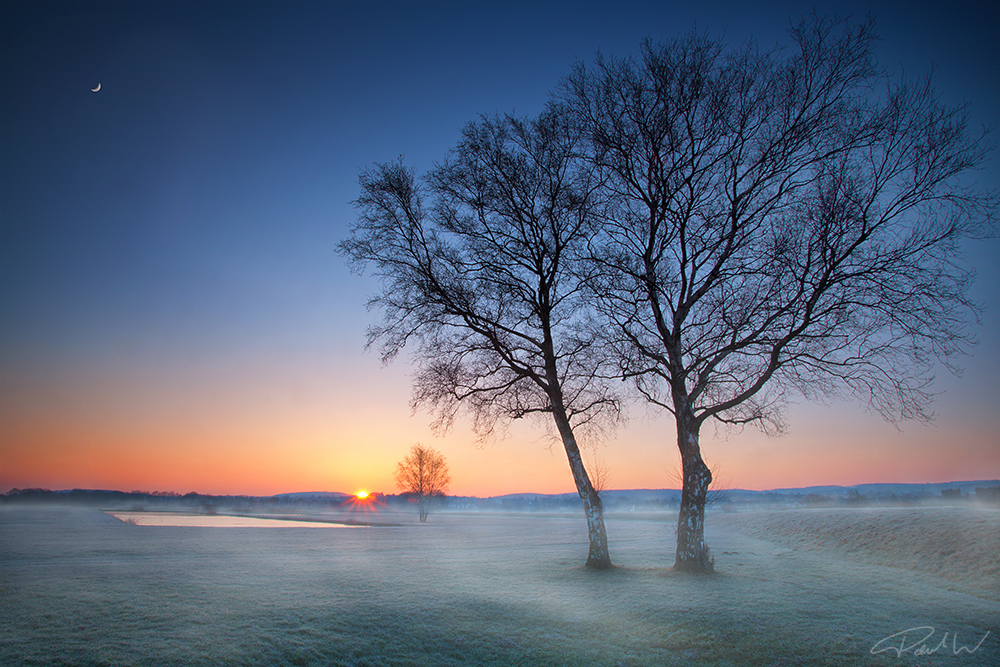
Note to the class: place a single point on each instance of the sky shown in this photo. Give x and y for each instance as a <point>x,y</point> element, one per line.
<point>173,312</point>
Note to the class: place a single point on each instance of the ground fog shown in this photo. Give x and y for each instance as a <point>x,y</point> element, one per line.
<point>800,587</point>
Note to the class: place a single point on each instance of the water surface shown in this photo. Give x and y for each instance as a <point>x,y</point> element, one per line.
<point>218,521</point>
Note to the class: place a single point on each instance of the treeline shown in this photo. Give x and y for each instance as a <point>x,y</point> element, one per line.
<point>989,495</point>
<point>557,503</point>
<point>979,496</point>
<point>162,499</point>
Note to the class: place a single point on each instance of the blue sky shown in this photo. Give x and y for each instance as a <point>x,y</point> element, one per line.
<point>167,258</point>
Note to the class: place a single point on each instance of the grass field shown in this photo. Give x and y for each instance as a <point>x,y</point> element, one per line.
<point>800,587</point>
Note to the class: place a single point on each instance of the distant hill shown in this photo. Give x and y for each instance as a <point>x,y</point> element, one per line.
<point>868,490</point>
<point>885,490</point>
<point>313,495</point>
<point>638,494</point>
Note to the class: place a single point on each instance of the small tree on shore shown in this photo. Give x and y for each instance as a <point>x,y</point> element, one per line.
<point>423,474</point>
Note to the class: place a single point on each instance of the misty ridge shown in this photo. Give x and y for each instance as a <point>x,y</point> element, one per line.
<point>984,493</point>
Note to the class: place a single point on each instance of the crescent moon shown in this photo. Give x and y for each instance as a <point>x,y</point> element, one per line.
<point>94,90</point>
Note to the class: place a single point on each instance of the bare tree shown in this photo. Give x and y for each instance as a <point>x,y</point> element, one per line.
<point>777,222</point>
<point>423,475</point>
<point>477,273</point>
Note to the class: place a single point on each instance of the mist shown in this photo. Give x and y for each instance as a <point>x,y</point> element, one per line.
<point>828,586</point>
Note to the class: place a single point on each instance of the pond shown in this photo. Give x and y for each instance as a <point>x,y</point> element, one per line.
<point>218,520</point>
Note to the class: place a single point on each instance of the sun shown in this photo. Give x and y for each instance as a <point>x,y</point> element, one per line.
<point>363,501</point>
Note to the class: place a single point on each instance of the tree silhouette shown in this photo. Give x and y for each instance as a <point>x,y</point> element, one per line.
<point>423,475</point>
<point>776,222</point>
<point>478,265</point>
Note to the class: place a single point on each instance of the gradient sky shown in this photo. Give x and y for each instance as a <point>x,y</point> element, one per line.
<point>173,315</point>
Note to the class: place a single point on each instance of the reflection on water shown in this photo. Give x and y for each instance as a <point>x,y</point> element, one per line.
<point>217,521</point>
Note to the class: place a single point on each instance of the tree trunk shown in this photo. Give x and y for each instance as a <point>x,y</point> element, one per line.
<point>599,558</point>
<point>692,552</point>
<point>422,508</point>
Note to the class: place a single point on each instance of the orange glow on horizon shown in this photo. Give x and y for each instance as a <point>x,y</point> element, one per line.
<point>76,436</point>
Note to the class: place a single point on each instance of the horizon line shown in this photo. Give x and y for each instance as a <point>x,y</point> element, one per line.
<point>502,495</point>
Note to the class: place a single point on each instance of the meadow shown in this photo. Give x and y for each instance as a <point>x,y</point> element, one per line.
<point>795,587</point>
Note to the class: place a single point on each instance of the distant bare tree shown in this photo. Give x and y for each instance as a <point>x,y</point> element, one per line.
<point>478,273</point>
<point>777,222</point>
<point>718,491</point>
<point>423,475</point>
<point>600,475</point>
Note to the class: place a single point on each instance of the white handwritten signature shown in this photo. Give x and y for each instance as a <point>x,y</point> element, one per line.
<point>919,642</point>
